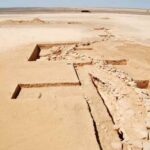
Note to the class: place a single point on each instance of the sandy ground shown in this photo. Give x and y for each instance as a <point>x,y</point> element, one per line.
<point>74,81</point>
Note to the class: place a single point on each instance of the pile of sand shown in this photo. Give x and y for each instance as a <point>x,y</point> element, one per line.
<point>33,21</point>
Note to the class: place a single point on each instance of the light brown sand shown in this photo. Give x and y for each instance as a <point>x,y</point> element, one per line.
<point>57,92</point>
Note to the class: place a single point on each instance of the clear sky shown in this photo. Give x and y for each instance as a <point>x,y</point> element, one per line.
<point>76,3</point>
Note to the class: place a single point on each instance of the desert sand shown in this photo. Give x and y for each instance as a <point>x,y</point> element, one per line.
<point>75,81</point>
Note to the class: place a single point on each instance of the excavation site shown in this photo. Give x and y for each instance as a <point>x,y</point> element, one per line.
<point>76,80</point>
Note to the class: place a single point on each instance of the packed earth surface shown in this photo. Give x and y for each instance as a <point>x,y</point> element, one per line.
<point>74,81</point>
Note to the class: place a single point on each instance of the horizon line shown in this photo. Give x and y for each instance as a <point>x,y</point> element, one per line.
<point>121,7</point>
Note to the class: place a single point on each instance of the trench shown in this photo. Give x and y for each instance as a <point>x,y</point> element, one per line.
<point>95,127</point>
<point>120,133</point>
<point>19,87</point>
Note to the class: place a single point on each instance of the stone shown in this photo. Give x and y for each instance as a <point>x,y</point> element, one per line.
<point>137,145</point>
<point>116,145</point>
<point>132,83</point>
<point>122,76</point>
<point>116,127</point>
<point>146,145</point>
<point>148,108</point>
<point>138,90</point>
<point>113,70</point>
<point>146,102</point>
<point>145,96</point>
<point>148,123</point>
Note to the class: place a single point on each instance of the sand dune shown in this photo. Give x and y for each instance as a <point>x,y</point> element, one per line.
<point>33,21</point>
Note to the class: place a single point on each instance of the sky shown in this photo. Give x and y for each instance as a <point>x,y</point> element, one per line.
<point>76,3</point>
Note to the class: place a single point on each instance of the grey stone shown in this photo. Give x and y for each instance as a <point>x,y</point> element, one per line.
<point>146,145</point>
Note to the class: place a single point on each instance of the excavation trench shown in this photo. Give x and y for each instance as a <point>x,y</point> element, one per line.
<point>88,105</point>
<point>95,126</point>
<point>20,87</point>
<point>120,133</point>
<point>92,79</point>
<point>88,83</point>
<point>81,80</point>
<point>116,62</point>
<point>47,49</point>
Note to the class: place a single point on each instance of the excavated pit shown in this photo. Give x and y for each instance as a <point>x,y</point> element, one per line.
<point>35,54</point>
<point>35,90</point>
<point>94,79</point>
<point>16,92</point>
<point>104,120</point>
<point>142,84</point>
<point>61,52</point>
<point>83,48</point>
<point>87,85</point>
<point>116,62</point>
<point>48,51</point>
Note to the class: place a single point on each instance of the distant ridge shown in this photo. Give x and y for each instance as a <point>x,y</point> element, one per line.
<point>34,10</point>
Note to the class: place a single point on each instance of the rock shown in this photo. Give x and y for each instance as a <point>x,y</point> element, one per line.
<point>122,76</point>
<point>113,70</point>
<point>148,108</point>
<point>40,95</point>
<point>43,58</point>
<point>116,127</point>
<point>133,145</point>
<point>148,123</point>
<point>137,145</point>
<point>89,101</point>
<point>116,145</point>
<point>145,95</point>
<point>98,124</point>
<point>137,90</point>
<point>44,53</point>
<point>146,145</point>
<point>132,83</point>
<point>146,102</point>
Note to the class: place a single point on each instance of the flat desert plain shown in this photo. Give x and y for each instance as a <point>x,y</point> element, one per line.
<point>74,81</point>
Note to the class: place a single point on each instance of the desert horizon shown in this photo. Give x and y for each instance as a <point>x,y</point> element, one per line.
<point>144,11</point>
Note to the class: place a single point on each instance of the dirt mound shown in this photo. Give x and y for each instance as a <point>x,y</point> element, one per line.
<point>33,21</point>
<point>38,20</point>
